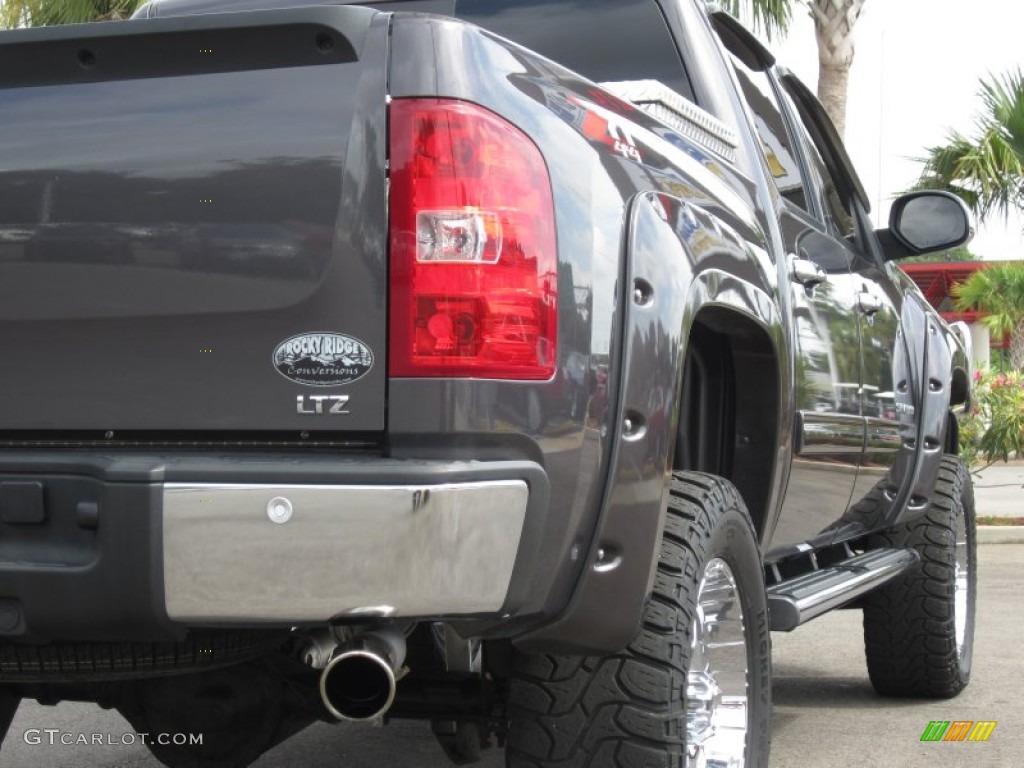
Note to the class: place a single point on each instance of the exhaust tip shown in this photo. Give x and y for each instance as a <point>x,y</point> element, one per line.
<point>357,686</point>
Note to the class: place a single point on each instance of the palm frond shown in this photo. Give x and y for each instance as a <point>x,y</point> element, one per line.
<point>1003,100</point>
<point>769,16</point>
<point>36,13</point>
<point>997,290</point>
<point>986,169</point>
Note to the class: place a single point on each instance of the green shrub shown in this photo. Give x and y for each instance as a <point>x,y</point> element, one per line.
<point>993,429</point>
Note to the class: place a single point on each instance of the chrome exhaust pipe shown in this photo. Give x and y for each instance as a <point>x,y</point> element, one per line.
<point>359,682</point>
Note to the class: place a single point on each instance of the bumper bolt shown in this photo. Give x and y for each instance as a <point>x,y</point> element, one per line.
<point>279,510</point>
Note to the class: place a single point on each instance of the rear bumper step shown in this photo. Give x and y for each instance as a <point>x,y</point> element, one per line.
<point>800,599</point>
<point>294,553</point>
<point>120,547</point>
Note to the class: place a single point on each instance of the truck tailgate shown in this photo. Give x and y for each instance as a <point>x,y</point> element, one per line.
<point>193,224</point>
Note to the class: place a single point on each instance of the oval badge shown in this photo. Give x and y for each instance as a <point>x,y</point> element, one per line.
<point>323,359</point>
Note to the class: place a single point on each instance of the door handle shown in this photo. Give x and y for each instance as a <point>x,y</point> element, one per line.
<point>868,303</point>
<point>806,272</point>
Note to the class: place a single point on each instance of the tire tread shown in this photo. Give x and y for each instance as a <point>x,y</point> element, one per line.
<point>625,709</point>
<point>909,624</point>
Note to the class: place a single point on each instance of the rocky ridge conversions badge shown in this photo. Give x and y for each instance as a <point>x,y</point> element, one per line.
<point>323,359</point>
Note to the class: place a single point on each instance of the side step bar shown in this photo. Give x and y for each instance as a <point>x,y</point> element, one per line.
<point>800,599</point>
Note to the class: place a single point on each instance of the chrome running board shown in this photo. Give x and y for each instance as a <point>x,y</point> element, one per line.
<point>800,599</point>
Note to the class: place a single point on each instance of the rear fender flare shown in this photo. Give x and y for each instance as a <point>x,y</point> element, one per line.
<point>667,284</point>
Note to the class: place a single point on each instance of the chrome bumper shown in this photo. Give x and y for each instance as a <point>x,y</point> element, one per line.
<point>309,553</point>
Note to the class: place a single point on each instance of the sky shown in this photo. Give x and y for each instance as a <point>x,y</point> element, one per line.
<point>915,77</point>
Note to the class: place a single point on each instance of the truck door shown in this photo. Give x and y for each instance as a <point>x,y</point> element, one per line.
<point>829,428</point>
<point>879,307</point>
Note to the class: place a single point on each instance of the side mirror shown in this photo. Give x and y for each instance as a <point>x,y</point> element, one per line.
<point>926,221</point>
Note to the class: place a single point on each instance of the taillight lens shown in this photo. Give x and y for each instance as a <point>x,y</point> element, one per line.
<point>473,259</point>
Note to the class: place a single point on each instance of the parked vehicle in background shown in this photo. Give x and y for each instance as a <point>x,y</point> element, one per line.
<point>512,366</point>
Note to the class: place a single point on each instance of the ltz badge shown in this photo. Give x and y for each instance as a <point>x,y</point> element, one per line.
<point>318,405</point>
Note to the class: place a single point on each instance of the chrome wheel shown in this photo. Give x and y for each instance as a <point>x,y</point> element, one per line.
<point>717,683</point>
<point>693,688</point>
<point>961,576</point>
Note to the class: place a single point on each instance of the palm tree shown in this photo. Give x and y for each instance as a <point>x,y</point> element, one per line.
<point>999,291</point>
<point>37,13</point>
<point>986,169</point>
<point>834,21</point>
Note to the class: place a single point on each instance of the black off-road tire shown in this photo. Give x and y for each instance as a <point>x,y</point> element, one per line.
<point>629,708</point>
<point>909,624</point>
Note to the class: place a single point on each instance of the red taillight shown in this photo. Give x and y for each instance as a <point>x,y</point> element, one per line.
<point>473,260</point>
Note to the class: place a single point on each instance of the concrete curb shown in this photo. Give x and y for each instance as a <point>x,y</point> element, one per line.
<point>1001,534</point>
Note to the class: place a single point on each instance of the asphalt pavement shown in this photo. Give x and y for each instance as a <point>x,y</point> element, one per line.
<point>826,713</point>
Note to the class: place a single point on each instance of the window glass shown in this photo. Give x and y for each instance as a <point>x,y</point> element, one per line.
<point>771,130</point>
<point>842,221</point>
<point>601,39</point>
<point>837,210</point>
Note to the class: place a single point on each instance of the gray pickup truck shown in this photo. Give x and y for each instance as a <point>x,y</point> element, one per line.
<point>513,366</point>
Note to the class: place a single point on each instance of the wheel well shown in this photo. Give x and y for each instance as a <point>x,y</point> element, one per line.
<point>952,434</point>
<point>959,390</point>
<point>728,419</point>
<point>959,395</point>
